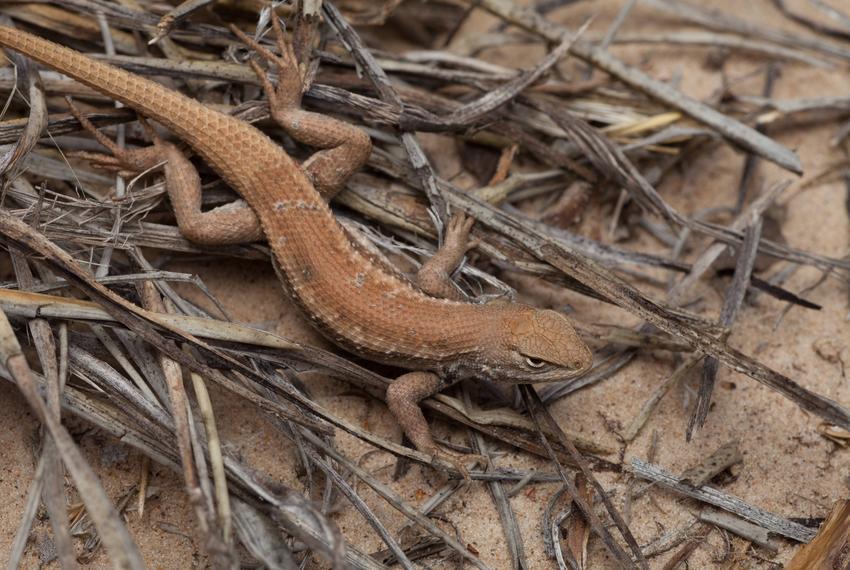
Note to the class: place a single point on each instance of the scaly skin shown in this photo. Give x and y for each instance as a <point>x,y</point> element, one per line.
<point>353,299</point>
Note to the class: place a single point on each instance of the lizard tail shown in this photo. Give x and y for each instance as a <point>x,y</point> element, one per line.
<point>206,130</point>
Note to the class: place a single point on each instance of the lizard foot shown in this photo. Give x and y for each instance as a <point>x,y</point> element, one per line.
<point>125,161</point>
<point>461,462</point>
<point>291,74</point>
<point>434,277</point>
<point>457,233</point>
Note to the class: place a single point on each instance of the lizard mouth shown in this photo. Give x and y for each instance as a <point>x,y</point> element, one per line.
<point>547,376</point>
<point>561,373</point>
<point>581,371</point>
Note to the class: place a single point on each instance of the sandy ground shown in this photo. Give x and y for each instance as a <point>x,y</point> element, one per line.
<point>787,469</point>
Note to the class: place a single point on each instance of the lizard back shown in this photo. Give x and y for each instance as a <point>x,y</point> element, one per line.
<point>347,295</point>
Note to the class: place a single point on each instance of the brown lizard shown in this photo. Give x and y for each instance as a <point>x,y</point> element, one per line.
<point>355,300</point>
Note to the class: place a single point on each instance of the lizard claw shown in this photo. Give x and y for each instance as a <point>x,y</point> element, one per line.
<point>461,462</point>
<point>291,74</point>
<point>129,161</point>
<point>457,233</point>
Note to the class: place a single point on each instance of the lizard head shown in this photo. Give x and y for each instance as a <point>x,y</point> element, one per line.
<point>537,346</point>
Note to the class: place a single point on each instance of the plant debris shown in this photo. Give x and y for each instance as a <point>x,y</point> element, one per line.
<point>562,163</point>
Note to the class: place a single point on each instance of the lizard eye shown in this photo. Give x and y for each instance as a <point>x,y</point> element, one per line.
<point>534,362</point>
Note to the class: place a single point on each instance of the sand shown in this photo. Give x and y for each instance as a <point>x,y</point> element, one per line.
<point>788,468</point>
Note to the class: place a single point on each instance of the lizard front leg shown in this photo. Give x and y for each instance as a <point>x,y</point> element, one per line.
<point>230,224</point>
<point>403,397</point>
<point>435,275</point>
<point>345,148</point>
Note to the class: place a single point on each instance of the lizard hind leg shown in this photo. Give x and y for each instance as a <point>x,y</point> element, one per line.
<point>130,161</point>
<point>344,148</point>
<point>233,223</point>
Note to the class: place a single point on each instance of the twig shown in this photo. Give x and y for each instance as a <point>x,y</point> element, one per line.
<point>122,550</point>
<point>733,524</point>
<point>829,548</point>
<point>717,20</point>
<point>535,407</point>
<point>727,502</point>
<point>723,458</point>
<point>729,128</point>
<point>731,304</point>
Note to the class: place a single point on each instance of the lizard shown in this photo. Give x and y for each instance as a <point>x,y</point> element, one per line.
<point>423,325</point>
